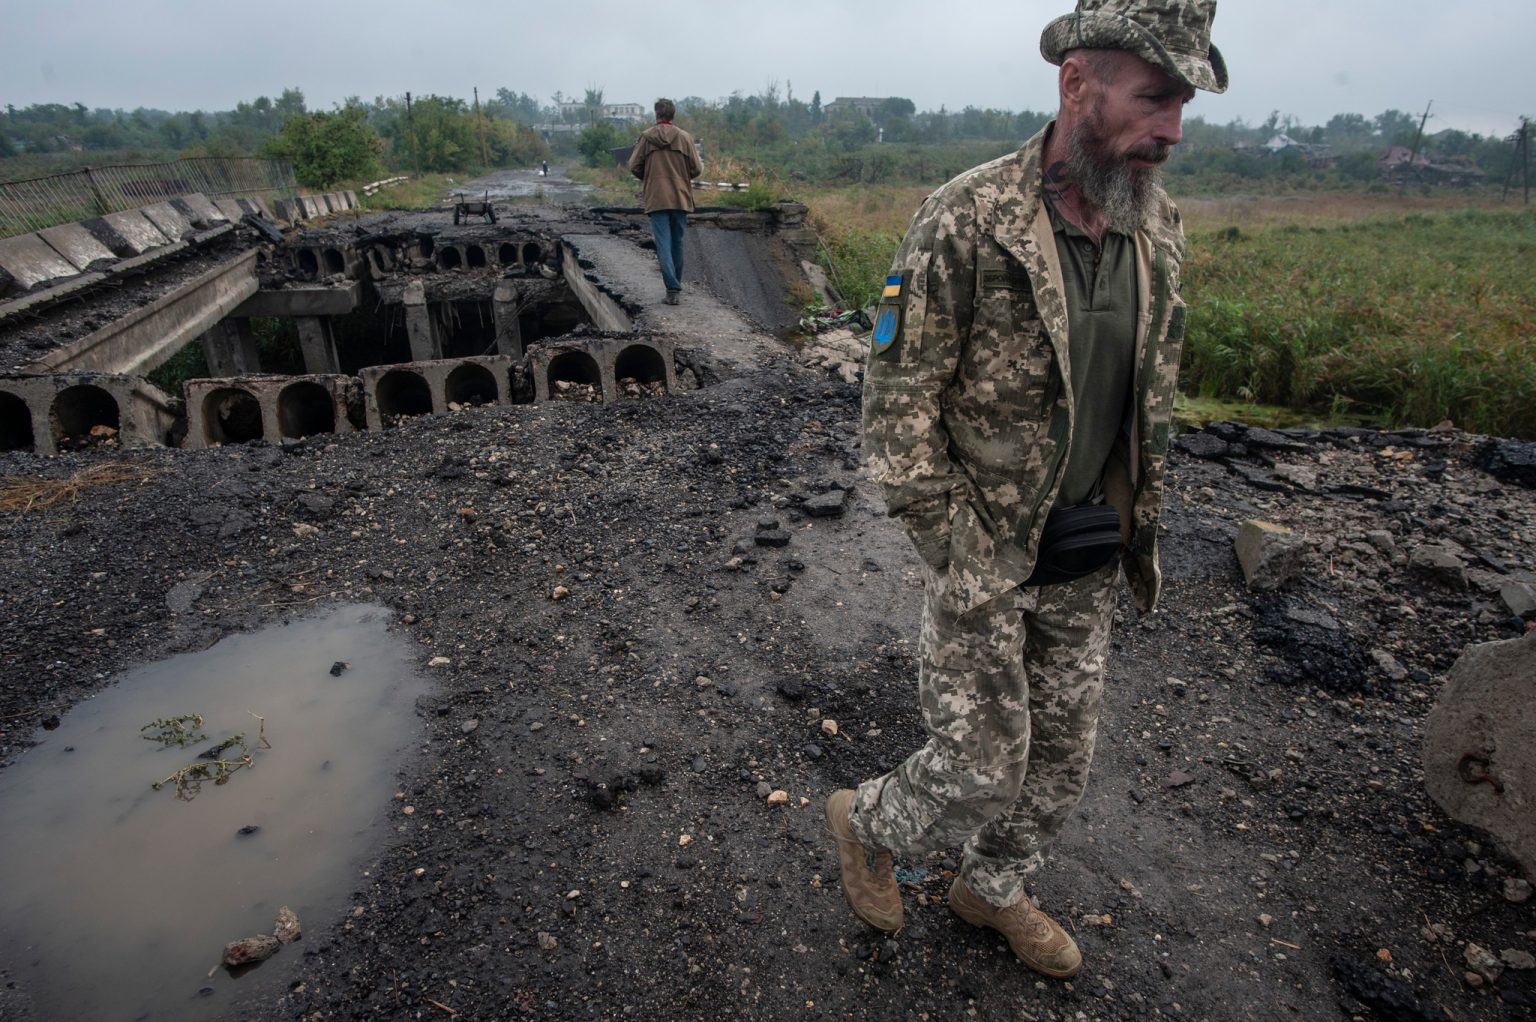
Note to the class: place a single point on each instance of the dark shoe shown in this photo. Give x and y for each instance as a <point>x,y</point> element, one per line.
<point>869,879</point>
<point>674,297</point>
<point>1034,936</point>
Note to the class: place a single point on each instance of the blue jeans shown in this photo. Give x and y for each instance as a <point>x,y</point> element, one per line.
<point>667,226</point>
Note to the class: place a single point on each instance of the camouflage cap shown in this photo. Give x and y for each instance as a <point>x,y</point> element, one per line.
<point>1174,35</point>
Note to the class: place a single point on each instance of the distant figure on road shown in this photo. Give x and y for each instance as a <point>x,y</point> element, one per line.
<point>666,162</point>
<point>544,168</point>
<point>1021,377</point>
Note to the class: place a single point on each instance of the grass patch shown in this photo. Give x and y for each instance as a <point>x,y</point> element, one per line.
<point>1414,318</point>
<point>860,229</point>
<point>424,192</point>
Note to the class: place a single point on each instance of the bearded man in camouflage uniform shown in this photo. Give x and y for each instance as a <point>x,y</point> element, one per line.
<point>1024,361</point>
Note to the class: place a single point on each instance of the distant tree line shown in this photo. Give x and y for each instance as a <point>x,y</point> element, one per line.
<point>796,138</point>
<point>355,139</point>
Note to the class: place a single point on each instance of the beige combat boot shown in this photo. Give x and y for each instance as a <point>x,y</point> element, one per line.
<point>1034,936</point>
<point>869,879</point>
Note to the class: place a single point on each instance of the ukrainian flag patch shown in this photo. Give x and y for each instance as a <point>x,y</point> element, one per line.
<point>888,315</point>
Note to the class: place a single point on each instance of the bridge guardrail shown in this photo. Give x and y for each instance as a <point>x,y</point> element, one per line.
<point>41,202</point>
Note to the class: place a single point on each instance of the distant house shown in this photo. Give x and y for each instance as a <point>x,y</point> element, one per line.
<point>1399,163</point>
<point>623,111</point>
<point>618,113</point>
<point>866,105</point>
<point>1398,158</point>
<point>1317,155</point>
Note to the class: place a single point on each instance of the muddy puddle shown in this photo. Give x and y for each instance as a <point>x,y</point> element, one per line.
<point>525,183</point>
<point>119,898</point>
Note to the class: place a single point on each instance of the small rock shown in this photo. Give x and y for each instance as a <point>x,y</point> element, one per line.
<point>1265,919</point>
<point>1389,665</point>
<point>1517,890</point>
<point>287,929</point>
<point>1298,476</point>
<point>468,727</point>
<point>684,840</point>
<point>338,667</point>
<point>439,661</point>
<point>778,797</point>
<point>764,789</point>
<point>547,941</point>
<point>559,593</point>
<point>250,949</point>
<point>1483,962</point>
<point>772,538</point>
<point>827,505</point>
<point>1520,961</point>
<point>1382,540</point>
<point>1178,779</point>
<point>1519,598</point>
<point>829,727</point>
<point>1438,564</point>
<point>1270,554</point>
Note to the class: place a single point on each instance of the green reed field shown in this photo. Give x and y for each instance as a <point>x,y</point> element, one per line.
<point>1405,309</point>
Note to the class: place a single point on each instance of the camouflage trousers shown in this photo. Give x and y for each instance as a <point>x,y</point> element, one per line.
<point>1010,700</point>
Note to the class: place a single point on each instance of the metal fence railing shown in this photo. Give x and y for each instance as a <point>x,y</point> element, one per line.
<point>41,202</point>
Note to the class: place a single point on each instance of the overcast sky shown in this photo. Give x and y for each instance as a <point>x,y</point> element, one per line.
<point>1309,58</point>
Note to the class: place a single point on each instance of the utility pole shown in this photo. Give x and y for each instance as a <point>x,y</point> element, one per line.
<point>480,129</point>
<point>1414,155</point>
<point>1520,159</point>
<point>410,129</point>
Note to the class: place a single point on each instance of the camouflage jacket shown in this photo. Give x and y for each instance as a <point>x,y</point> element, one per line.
<point>968,409</point>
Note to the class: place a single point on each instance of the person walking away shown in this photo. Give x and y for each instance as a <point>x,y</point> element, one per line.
<point>666,162</point>
<point>1017,402</point>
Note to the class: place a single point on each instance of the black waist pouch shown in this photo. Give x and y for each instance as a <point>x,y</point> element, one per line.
<point>1076,541</point>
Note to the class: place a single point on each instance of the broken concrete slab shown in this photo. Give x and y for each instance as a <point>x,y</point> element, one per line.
<point>203,212</point>
<point>241,409</point>
<point>77,245</point>
<point>600,362</point>
<point>170,220</point>
<point>1270,555</point>
<point>146,337</point>
<point>50,412</point>
<point>28,261</point>
<point>302,301</point>
<point>231,208</point>
<point>393,392</point>
<point>1480,744</point>
<point>127,234</point>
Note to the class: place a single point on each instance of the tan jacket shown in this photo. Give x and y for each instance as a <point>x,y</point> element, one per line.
<point>665,160</point>
<point>968,407</point>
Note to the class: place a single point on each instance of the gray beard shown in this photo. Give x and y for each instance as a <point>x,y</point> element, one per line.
<point>1127,197</point>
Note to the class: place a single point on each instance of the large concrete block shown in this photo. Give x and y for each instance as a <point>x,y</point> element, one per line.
<point>392,392</point>
<point>51,412</point>
<point>242,409</point>
<point>29,261</point>
<point>127,234</point>
<point>590,368</point>
<point>77,245</point>
<point>170,220</point>
<point>203,212</point>
<point>287,211</point>
<point>231,208</point>
<point>1480,744</point>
